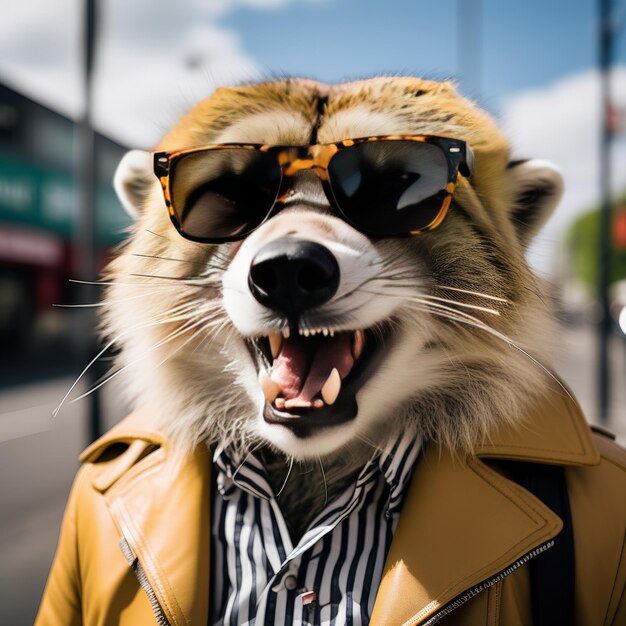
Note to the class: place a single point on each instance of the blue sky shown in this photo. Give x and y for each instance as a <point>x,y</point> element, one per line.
<point>524,44</point>
<point>144,46</point>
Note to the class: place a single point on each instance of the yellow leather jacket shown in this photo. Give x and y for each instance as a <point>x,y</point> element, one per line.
<point>135,539</point>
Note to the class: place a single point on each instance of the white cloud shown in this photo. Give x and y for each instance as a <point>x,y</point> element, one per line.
<point>562,124</point>
<point>141,92</point>
<point>154,58</point>
<point>39,51</point>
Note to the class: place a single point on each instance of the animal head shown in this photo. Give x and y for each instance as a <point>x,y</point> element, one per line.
<point>307,331</point>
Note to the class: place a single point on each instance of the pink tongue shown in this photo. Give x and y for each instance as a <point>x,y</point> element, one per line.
<point>304,364</point>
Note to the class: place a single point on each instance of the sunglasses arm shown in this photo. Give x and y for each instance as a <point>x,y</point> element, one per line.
<point>466,166</point>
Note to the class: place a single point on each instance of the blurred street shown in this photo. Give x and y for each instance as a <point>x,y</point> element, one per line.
<point>38,458</point>
<point>576,364</point>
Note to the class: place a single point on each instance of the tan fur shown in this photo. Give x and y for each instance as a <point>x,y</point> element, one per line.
<point>466,380</point>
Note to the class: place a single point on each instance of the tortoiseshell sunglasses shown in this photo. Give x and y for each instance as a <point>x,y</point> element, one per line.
<point>391,186</point>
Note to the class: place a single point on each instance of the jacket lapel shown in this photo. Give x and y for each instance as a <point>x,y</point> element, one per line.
<point>463,523</point>
<point>554,431</point>
<point>161,508</point>
<point>164,515</point>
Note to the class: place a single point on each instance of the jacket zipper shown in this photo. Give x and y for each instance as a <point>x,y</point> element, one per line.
<point>470,593</point>
<point>142,579</point>
<point>454,604</point>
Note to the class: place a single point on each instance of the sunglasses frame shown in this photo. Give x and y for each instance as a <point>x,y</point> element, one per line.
<point>317,157</point>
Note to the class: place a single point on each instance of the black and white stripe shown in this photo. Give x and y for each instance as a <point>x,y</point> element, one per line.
<point>259,576</point>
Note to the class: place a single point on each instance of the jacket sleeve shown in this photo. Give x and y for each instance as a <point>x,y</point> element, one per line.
<point>61,602</point>
<point>620,611</point>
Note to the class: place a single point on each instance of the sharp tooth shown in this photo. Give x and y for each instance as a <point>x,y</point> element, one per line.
<point>325,331</point>
<point>276,343</point>
<point>296,403</point>
<point>270,387</point>
<point>317,403</point>
<point>357,344</point>
<point>306,332</point>
<point>279,403</point>
<point>331,387</point>
<point>286,333</point>
<point>332,333</point>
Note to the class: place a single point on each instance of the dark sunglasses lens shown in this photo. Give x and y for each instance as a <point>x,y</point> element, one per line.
<point>388,188</point>
<point>223,194</point>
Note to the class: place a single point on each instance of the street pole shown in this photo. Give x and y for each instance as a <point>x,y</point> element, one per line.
<point>604,243</point>
<point>469,46</point>
<point>87,232</point>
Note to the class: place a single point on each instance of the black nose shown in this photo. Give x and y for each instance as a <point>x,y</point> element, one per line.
<point>291,275</point>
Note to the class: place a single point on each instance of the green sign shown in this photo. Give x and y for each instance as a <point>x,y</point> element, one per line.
<point>49,200</point>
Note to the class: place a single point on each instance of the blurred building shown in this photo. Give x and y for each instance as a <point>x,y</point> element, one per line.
<point>39,250</point>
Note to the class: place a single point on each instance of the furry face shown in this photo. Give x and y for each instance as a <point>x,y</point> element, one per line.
<point>444,333</point>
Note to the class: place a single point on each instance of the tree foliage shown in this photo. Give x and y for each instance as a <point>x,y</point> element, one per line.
<point>583,247</point>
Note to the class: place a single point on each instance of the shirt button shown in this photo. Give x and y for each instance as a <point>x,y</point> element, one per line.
<point>308,597</point>
<point>291,582</point>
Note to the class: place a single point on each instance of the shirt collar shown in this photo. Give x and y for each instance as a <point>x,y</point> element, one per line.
<point>395,462</point>
<point>237,470</point>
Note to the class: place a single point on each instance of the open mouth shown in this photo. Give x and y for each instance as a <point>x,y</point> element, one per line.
<point>310,379</point>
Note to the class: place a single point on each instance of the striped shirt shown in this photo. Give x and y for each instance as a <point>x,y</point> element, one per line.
<point>332,575</point>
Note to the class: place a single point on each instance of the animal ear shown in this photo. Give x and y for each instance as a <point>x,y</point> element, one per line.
<point>132,180</point>
<point>537,187</point>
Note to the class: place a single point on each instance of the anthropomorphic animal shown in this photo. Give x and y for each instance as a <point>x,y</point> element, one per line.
<point>341,368</point>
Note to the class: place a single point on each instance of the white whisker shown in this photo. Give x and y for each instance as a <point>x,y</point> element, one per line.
<point>377,448</point>
<point>152,284</point>
<point>170,337</point>
<point>78,306</point>
<point>286,478</point>
<point>246,458</point>
<point>437,305</point>
<point>473,293</point>
<point>463,304</point>
<point>107,302</point>
<point>470,320</point>
<point>155,321</point>
<point>217,330</point>
<point>325,483</point>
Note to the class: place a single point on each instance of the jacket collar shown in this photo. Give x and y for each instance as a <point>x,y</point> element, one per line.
<point>553,431</point>
<point>441,547</point>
